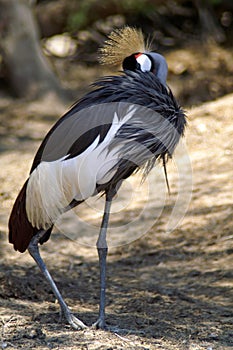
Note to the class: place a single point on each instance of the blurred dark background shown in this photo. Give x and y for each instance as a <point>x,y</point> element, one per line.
<point>41,40</point>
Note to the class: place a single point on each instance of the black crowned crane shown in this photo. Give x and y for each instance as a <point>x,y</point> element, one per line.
<point>126,122</point>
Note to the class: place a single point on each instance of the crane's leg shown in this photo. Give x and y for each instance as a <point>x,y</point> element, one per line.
<point>34,252</point>
<point>102,252</point>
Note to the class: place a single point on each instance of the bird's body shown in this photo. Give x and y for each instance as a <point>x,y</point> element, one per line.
<point>74,161</point>
<point>125,123</point>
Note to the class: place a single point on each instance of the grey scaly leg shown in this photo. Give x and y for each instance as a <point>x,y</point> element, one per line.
<point>34,252</point>
<point>102,252</point>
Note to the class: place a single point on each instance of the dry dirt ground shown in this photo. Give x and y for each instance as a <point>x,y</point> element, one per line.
<point>172,287</point>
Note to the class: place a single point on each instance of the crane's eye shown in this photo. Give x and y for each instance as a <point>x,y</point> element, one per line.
<point>144,62</point>
<point>137,61</point>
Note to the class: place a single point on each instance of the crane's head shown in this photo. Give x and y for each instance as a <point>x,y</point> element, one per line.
<point>147,62</point>
<point>126,47</point>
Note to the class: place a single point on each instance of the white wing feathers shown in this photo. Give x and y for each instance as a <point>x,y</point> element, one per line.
<point>53,185</point>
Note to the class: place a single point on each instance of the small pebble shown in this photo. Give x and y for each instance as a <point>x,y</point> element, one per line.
<point>32,334</point>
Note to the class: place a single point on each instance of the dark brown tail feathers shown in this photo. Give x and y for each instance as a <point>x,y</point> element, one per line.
<point>20,229</point>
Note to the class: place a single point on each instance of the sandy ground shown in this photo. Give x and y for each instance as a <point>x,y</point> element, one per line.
<point>170,279</point>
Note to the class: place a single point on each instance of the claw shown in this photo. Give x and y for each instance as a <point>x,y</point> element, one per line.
<point>74,321</point>
<point>100,324</point>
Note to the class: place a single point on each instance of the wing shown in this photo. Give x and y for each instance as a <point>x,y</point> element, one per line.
<point>85,121</point>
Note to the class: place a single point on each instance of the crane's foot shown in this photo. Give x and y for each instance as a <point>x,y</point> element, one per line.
<point>74,321</point>
<point>100,324</point>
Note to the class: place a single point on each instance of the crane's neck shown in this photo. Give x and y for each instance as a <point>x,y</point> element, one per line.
<point>161,67</point>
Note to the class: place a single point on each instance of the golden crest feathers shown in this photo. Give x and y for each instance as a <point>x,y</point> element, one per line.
<point>120,44</point>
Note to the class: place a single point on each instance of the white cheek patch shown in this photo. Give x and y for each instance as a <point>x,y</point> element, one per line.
<point>144,62</point>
